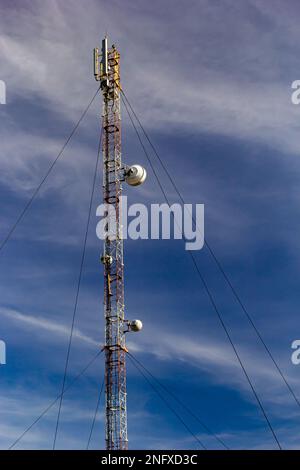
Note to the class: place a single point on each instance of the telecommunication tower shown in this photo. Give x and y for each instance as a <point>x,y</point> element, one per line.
<point>107,72</point>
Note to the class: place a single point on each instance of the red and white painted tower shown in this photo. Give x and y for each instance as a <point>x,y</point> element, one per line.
<point>107,71</point>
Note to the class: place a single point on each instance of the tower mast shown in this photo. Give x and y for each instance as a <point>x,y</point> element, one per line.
<point>115,349</point>
<point>107,71</point>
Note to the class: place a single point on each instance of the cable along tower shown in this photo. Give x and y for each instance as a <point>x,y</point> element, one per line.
<point>107,72</point>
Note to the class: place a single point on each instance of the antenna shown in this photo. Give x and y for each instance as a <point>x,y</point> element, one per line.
<point>107,71</point>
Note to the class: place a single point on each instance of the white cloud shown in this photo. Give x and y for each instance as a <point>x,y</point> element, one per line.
<point>41,325</point>
<point>217,360</point>
<point>21,407</point>
<point>193,82</point>
<point>212,356</point>
<point>221,74</point>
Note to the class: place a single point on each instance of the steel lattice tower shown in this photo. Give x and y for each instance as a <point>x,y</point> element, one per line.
<point>107,71</point>
<point>115,349</point>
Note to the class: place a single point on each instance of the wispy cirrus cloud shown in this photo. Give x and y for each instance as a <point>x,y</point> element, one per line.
<point>44,325</point>
<point>211,69</point>
<point>194,82</point>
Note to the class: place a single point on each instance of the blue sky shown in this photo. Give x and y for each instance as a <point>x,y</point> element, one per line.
<point>211,81</point>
